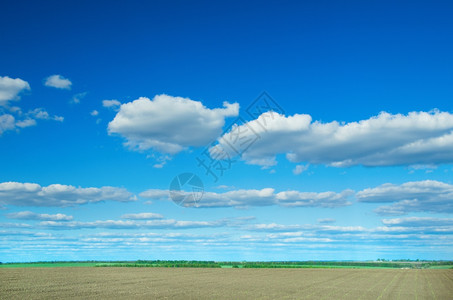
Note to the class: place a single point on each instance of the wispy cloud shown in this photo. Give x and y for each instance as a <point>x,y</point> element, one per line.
<point>78,97</point>
<point>142,216</point>
<point>131,224</point>
<point>28,215</point>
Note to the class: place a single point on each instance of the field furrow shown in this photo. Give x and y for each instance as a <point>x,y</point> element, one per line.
<point>216,283</point>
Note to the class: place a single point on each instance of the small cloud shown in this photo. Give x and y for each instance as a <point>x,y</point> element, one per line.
<point>94,113</point>
<point>161,160</point>
<point>300,168</point>
<point>58,81</point>
<point>113,104</point>
<point>26,123</point>
<point>142,216</point>
<point>10,89</point>
<point>15,109</point>
<point>77,97</point>
<point>28,215</point>
<point>222,186</point>
<point>7,122</point>
<point>423,167</point>
<point>326,221</point>
<point>42,114</point>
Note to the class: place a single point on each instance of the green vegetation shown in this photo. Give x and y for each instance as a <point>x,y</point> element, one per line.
<point>398,264</point>
<point>163,264</point>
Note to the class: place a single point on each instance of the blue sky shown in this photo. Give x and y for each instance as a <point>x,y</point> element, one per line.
<point>103,104</point>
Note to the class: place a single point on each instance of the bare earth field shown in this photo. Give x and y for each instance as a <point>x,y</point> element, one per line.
<point>199,283</point>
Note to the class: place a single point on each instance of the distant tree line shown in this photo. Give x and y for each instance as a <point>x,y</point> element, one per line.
<point>402,263</point>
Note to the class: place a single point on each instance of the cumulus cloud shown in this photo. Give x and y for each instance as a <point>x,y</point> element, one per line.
<point>142,216</point>
<point>263,197</point>
<point>32,194</point>
<point>112,104</point>
<point>416,196</point>
<point>169,124</point>
<point>11,88</point>
<point>94,113</point>
<point>28,215</point>
<point>58,81</point>
<point>418,138</point>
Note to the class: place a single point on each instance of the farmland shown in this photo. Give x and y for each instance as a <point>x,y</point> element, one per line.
<point>225,283</point>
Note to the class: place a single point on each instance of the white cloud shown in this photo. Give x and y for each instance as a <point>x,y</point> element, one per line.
<point>94,113</point>
<point>26,123</point>
<point>416,196</point>
<point>77,97</point>
<point>324,199</point>
<point>42,114</point>
<point>419,222</point>
<point>132,224</point>
<point>14,225</point>
<point>113,104</point>
<point>24,233</point>
<point>300,168</point>
<point>58,81</point>
<point>418,138</point>
<point>32,194</point>
<point>169,124</point>
<point>263,197</point>
<point>10,89</point>
<point>161,160</point>
<point>142,216</point>
<point>326,221</point>
<point>28,215</point>
<point>412,230</point>
<point>7,122</point>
